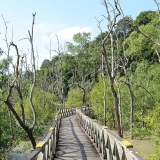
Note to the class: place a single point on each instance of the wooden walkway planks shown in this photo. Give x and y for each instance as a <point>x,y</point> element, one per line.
<point>73,143</point>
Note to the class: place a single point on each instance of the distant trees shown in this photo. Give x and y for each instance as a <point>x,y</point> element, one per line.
<point>84,70</point>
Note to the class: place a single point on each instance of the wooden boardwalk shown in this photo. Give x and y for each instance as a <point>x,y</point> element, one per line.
<point>73,143</point>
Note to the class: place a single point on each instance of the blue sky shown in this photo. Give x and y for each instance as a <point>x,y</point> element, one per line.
<point>58,17</point>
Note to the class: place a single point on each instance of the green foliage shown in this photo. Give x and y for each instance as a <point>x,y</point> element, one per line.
<point>139,47</point>
<point>125,105</point>
<point>144,18</point>
<point>68,67</point>
<point>124,26</point>
<point>141,127</point>
<point>45,110</point>
<point>4,64</point>
<point>75,98</point>
<point>97,98</point>
<point>156,155</point>
<point>43,103</point>
<point>9,134</point>
<point>146,96</point>
<point>84,51</point>
<point>46,64</point>
<point>154,120</point>
<point>38,129</point>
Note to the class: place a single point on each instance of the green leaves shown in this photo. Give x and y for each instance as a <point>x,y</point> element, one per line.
<point>156,155</point>
<point>7,139</point>
<point>97,98</point>
<point>144,18</point>
<point>124,26</point>
<point>140,46</point>
<point>82,38</point>
<point>74,98</point>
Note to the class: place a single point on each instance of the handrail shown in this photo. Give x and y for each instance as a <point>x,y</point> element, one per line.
<point>45,149</point>
<point>108,144</point>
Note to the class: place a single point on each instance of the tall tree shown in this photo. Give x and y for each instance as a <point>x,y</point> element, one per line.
<point>110,52</point>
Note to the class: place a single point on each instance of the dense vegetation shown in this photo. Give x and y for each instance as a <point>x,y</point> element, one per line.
<point>79,76</point>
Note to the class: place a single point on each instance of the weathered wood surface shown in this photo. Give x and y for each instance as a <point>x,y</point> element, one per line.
<point>73,143</point>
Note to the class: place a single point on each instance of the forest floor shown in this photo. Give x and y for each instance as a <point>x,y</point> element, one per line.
<point>144,147</point>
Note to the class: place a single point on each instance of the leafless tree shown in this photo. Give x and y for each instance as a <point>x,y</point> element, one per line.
<point>111,65</point>
<point>52,73</point>
<point>8,56</point>
<point>59,75</point>
<point>104,78</point>
<point>15,85</point>
<point>123,62</point>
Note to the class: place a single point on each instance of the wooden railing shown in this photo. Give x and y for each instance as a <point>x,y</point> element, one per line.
<point>45,150</point>
<point>109,145</point>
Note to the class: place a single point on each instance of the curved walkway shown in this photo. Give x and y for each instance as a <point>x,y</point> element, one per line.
<point>73,143</point>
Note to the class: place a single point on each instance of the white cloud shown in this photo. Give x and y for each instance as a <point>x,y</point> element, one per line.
<point>66,34</point>
<point>47,28</point>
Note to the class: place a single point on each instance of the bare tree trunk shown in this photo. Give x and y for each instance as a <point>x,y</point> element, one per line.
<point>116,110</point>
<point>84,93</point>
<point>61,80</point>
<point>34,74</point>
<point>120,109</point>
<point>60,76</point>
<point>21,104</point>
<point>131,111</point>
<point>52,72</point>
<point>104,100</point>
<point>111,69</point>
<point>31,137</point>
<point>104,91</point>
<point>114,94</point>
